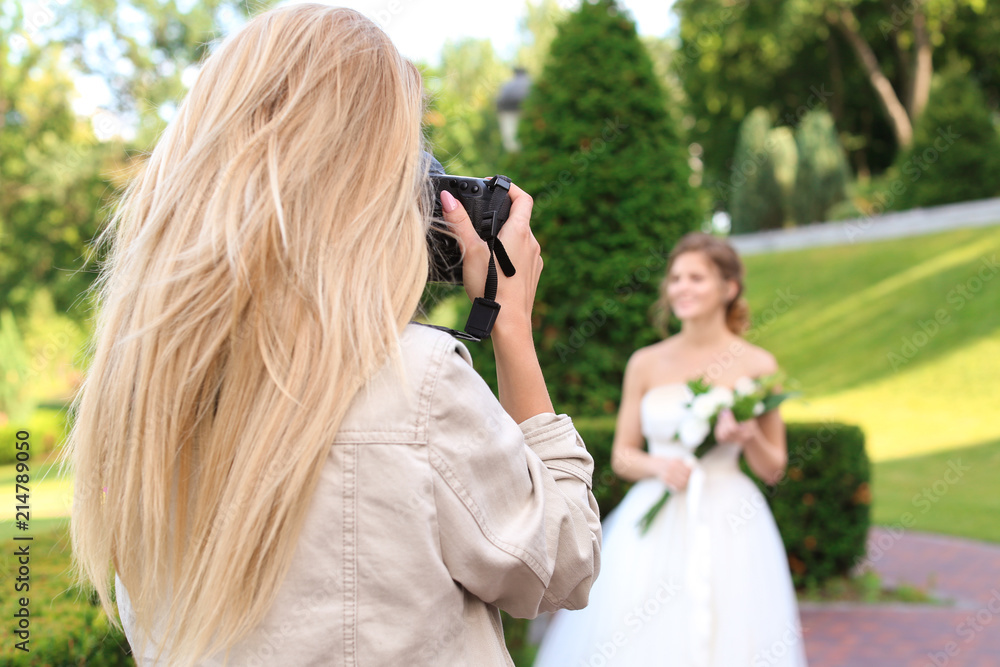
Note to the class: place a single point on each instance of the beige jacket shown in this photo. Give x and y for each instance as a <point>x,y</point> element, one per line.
<point>434,509</point>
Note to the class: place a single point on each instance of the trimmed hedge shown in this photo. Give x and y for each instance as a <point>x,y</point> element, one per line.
<point>822,506</point>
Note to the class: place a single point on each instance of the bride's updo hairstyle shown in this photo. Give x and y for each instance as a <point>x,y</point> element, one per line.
<point>730,267</point>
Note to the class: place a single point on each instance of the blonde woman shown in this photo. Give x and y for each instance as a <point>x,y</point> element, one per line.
<point>279,466</point>
<point>708,585</point>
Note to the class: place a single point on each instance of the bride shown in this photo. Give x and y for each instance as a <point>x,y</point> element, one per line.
<point>708,585</point>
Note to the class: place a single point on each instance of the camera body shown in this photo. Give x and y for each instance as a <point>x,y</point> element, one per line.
<point>488,204</point>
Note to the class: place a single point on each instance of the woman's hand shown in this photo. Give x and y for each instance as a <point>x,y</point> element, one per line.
<point>515,294</point>
<point>744,434</point>
<point>521,385</point>
<point>673,472</point>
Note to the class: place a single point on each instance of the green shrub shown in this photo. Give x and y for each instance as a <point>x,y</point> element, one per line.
<point>46,427</point>
<point>785,161</point>
<point>822,176</point>
<point>754,194</point>
<point>955,155</point>
<point>67,627</point>
<point>598,433</point>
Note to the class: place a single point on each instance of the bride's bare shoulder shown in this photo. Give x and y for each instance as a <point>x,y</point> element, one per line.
<point>653,352</point>
<point>758,360</point>
<point>646,358</point>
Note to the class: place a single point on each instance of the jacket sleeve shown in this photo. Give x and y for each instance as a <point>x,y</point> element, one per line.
<point>519,526</point>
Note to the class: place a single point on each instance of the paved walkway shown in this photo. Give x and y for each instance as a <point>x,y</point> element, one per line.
<point>980,213</point>
<point>963,633</point>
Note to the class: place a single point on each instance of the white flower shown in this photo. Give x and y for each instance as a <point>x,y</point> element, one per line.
<point>706,405</point>
<point>745,386</point>
<point>693,431</point>
<point>703,406</point>
<point>758,409</point>
<point>723,396</point>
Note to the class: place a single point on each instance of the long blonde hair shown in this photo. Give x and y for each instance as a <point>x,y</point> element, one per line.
<point>260,269</point>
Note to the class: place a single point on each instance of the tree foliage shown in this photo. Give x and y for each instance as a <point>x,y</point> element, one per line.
<point>57,176</point>
<point>61,167</point>
<point>51,187</point>
<point>867,62</point>
<point>609,174</point>
<point>955,154</point>
<point>461,119</point>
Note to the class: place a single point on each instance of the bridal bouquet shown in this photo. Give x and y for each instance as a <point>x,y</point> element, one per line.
<point>700,412</point>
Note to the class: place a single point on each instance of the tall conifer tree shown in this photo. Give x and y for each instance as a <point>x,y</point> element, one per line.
<point>609,174</point>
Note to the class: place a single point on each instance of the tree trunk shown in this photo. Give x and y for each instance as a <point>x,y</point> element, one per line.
<point>836,79</point>
<point>861,167</point>
<point>845,21</point>
<point>924,67</point>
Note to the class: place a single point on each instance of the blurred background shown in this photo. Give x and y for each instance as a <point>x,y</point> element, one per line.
<point>849,149</point>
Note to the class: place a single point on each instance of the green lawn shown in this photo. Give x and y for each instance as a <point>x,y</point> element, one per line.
<point>835,317</point>
<point>952,492</point>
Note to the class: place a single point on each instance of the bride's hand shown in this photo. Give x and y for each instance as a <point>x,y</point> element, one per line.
<point>673,472</point>
<point>727,429</point>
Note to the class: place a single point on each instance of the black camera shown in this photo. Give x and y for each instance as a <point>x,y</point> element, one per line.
<point>487,202</point>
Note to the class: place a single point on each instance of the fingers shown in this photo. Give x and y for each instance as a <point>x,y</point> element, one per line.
<point>521,204</point>
<point>676,474</point>
<point>519,195</point>
<point>725,425</point>
<point>458,218</point>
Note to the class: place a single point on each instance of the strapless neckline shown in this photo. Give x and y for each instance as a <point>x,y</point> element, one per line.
<point>662,386</point>
<point>672,384</point>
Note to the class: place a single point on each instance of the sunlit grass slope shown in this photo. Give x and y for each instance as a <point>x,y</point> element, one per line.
<point>899,336</point>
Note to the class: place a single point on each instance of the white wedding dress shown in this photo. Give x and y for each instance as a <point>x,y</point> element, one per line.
<point>707,586</point>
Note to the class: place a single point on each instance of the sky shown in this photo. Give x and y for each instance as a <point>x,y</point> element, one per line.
<point>419,28</point>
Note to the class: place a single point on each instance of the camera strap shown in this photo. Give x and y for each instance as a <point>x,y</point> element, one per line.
<point>485,308</point>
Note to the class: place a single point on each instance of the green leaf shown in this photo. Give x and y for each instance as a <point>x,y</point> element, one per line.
<point>774,400</point>
<point>647,519</point>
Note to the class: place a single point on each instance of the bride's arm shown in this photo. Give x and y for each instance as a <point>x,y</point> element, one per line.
<point>767,452</point>
<point>628,461</point>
